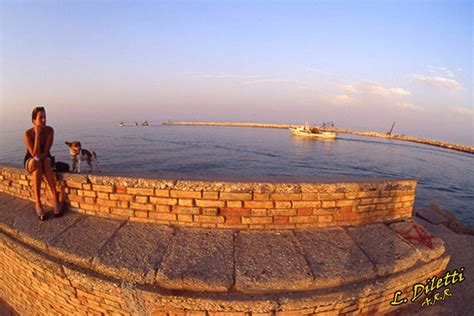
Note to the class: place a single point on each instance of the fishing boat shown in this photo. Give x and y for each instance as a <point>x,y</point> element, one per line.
<point>313,132</point>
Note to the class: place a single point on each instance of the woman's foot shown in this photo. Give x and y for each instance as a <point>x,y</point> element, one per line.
<point>40,213</point>
<point>58,210</point>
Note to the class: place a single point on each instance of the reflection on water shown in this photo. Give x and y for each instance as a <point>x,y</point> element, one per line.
<point>445,177</point>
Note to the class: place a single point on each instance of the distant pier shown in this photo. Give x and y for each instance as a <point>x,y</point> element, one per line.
<point>462,148</point>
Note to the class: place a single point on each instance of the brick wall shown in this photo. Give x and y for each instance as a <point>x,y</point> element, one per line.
<point>225,204</point>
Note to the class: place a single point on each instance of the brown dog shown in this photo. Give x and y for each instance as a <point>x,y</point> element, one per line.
<point>78,154</point>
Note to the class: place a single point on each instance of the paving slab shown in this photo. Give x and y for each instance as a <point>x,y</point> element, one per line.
<point>6,198</point>
<point>135,251</point>
<point>83,240</point>
<point>13,209</point>
<point>334,258</point>
<point>428,245</point>
<point>198,260</point>
<point>41,233</point>
<point>384,247</point>
<point>431,216</point>
<point>270,261</point>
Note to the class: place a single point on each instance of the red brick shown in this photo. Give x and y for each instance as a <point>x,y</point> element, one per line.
<point>208,219</point>
<point>162,193</point>
<point>345,203</point>
<point>163,208</point>
<point>121,197</point>
<point>121,211</point>
<point>163,216</point>
<point>366,208</point>
<point>89,193</point>
<point>141,199</point>
<point>326,204</point>
<point>121,189</point>
<point>256,220</point>
<point>141,214</point>
<point>103,195</point>
<point>346,216</point>
<point>210,195</point>
<point>346,209</point>
<point>163,201</point>
<point>186,194</point>
<point>89,207</point>
<point>141,191</point>
<point>106,202</point>
<point>282,212</point>
<point>89,200</point>
<point>331,196</point>
<point>185,210</point>
<point>234,204</point>
<point>103,188</point>
<point>123,204</point>
<point>305,204</point>
<point>235,211</point>
<point>304,211</point>
<point>282,204</point>
<point>185,202</point>
<point>261,196</point>
<point>309,196</point>
<point>75,198</point>
<point>325,218</point>
<point>258,212</point>
<point>210,211</point>
<point>407,198</point>
<point>281,219</point>
<point>233,219</point>
<point>303,219</point>
<point>210,203</point>
<point>258,204</point>
<point>235,196</point>
<point>185,218</point>
<point>142,207</point>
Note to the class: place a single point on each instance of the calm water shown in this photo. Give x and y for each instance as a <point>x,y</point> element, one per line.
<point>251,154</point>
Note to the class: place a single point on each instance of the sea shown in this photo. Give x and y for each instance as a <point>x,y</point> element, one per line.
<point>444,176</point>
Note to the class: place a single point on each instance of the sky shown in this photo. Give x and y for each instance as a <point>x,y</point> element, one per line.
<point>361,64</point>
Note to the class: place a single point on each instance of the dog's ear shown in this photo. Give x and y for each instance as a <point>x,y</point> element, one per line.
<point>68,143</point>
<point>79,144</point>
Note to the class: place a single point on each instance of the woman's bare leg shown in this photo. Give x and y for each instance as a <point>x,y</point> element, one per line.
<point>36,170</point>
<point>48,172</point>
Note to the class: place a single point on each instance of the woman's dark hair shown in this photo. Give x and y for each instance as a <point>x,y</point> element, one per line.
<point>35,112</point>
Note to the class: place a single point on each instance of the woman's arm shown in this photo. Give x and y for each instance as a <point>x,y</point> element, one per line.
<point>32,144</point>
<point>49,142</point>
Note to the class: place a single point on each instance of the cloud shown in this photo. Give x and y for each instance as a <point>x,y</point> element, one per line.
<point>463,111</point>
<point>374,88</point>
<point>343,99</point>
<point>408,106</point>
<point>229,76</point>
<point>437,81</point>
<point>441,71</point>
<point>373,94</point>
<point>271,81</point>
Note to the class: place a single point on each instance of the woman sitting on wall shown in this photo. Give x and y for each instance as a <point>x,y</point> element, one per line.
<point>37,161</point>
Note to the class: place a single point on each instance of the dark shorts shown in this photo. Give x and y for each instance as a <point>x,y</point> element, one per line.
<point>27,159</point>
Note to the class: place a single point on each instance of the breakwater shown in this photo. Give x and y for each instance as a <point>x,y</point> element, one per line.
<point>132,246</point>
<point>457,147</point>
